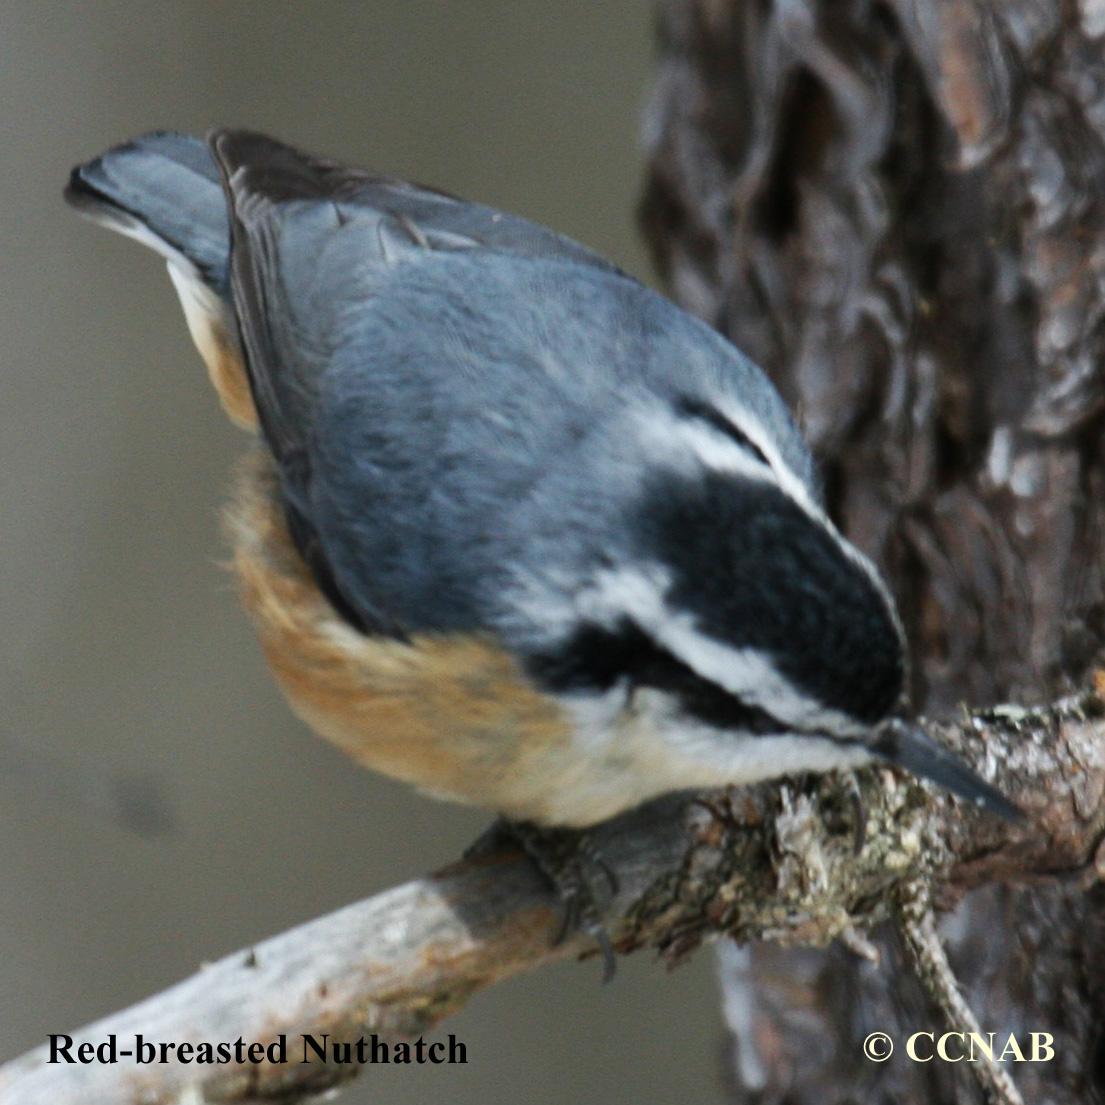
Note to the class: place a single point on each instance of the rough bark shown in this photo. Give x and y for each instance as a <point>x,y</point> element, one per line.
<point>898,208</point>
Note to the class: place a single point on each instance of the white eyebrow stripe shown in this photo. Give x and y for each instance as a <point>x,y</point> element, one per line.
<point>787,479</point>
<point>676,438</point>
<point>675,441</point>
<point>749,674</point>
<point>797,490</point>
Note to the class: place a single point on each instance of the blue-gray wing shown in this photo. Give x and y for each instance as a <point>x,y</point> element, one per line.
<point>450,392</point>
<point>313,237</point>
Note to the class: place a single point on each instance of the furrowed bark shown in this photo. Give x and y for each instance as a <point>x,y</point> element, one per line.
<point>898,208</point>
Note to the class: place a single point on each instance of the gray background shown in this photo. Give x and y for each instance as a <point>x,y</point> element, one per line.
<point>123,648</point>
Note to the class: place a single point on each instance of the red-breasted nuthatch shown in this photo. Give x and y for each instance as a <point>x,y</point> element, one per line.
<point>518,530</point>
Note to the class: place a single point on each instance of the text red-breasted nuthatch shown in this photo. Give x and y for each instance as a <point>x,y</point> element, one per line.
<point>518,530</point>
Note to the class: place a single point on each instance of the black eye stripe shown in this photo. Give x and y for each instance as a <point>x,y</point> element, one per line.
<point>697,408</point>
<point>753,570</point>
<point>595,658</point>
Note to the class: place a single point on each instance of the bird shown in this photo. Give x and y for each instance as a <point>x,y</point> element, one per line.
<point>513,527</point>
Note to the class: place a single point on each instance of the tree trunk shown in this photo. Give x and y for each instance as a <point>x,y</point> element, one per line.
<point>898,208</point>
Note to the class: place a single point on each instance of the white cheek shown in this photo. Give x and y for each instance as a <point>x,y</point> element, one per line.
<point>639,746</point>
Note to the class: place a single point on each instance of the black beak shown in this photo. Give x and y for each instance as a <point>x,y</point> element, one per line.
<point>906,744</point>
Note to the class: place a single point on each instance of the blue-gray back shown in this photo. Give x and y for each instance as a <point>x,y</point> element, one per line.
<point>446,389</point>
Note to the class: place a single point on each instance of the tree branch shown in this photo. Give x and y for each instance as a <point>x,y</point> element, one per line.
<point>778,863</point>
<point>930,963</point>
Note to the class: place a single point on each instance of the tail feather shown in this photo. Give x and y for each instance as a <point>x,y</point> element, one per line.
<point>165,191</point>
<point>162,189</point>
<point>906,744</point>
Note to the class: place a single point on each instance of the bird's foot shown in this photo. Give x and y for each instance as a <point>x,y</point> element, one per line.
<point>569,861</point>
